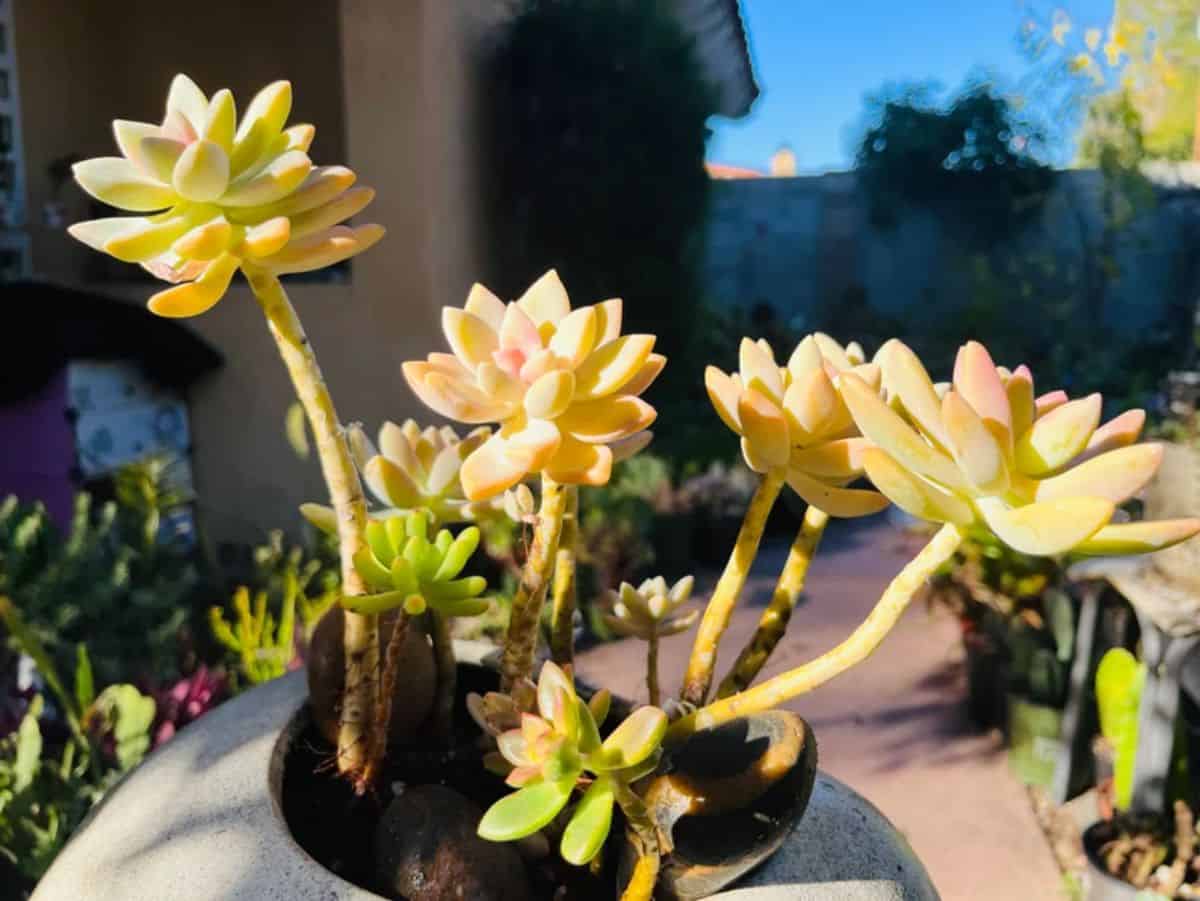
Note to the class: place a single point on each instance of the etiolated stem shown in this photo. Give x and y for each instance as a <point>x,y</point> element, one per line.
<point>521,640</point>
<point>447,674</point>
<point>864,640</point>
<point>774,621</point>
<point>360,635</point>
<point>643,836</point>
<point>563,593</point>
<point>652,670</point>
<point>698,676</point>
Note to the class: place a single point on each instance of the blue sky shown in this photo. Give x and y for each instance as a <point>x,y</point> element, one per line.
<point>817,61</point>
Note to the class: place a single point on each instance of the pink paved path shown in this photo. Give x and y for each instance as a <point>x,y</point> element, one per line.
<point>894,727</point>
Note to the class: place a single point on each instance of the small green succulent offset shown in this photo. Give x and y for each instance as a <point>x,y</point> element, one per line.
<point>553,752</point>
<point>404,567</point>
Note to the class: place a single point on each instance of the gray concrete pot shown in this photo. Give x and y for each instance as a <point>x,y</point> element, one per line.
<point>201,820</point>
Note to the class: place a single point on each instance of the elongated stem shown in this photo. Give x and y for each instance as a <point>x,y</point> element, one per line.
<point>563,594</point>
<point>720,606</point>
<point>652,670</point>
<point>521,640</point>
<point>774,621</point>
<point>345,493</point>
<point>644,838</point>
<point>447,674</point>
<point>861,643</point>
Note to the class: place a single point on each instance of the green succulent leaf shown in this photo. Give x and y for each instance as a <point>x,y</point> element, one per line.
<point>378,540</point>
<point>457,554</point>
<point>374,573</point>
<point>402,578</point>
<point>1119,681</point>
<point>129,714</point>
<point>526,811</point>
<point>589,732</point>
<point>375,603</point>
<point>599,705</point>
<point>589,824</point>
<point>468,607</point>
<point>632,741</point>
<point>459,589</point>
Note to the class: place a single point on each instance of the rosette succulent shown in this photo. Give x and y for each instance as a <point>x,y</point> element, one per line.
<point>559,749</point>
<point>652,609</point>
<point>562,384</point>
<point>792,419</point>
<point>1041,472</point>
<point>406,568</point>
<point>217,194</point>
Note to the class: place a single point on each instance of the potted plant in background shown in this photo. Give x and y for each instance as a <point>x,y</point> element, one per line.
<point>594,794</point>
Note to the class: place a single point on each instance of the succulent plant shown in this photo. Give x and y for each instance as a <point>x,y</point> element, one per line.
<point>219,194</point>
<point>405,567</point>
<point>1041,473</point>
<point>412,468</point>
<point>562,384</point>
<point>652,609</point>
<point>792,420</point>
<point>559,749</point>
<point>650,612</point>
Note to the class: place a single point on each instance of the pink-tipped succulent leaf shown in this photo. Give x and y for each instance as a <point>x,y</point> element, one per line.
<point>792,419</point>
<point>217,194</point>
<point>562,384</point>
<point>1041,472</point>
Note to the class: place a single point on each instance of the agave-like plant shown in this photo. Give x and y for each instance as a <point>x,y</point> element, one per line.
<point>650,612</point>
<point>559,749</point>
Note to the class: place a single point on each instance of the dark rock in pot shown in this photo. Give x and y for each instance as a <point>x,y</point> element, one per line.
<point>415,689</point>
<point>726,799</point>
<point>426,849</point>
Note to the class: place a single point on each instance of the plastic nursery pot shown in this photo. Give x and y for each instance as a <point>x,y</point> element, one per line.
<point>987,676</point>
<point>1101,884</point>
<point>1034,740</point>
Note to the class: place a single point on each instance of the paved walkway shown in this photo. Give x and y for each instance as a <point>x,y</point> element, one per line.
<point>894,727</point>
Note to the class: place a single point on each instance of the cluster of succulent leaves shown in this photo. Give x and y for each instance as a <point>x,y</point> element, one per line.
<point>114,578</point>
<point>405,567</point>
<point>551,753</point>
<point>263,646</point>
<point>45,790</point>
<point>651,610</point>
<point>292,585</point>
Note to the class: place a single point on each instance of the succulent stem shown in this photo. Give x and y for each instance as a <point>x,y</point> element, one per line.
<point>345,492</point>
<point>447,673</point>
<point>774,621</point>
<point>652,669</point>
<point>563,593</point>
<point>521,640</point>
<point>378,739</point>
<point>644,838</point>
<point>861,643</point>
<point>700,667</point>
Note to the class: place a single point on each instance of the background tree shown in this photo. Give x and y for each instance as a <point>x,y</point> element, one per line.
<point>596,138</point>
